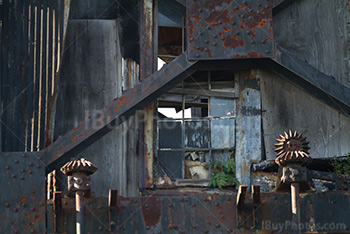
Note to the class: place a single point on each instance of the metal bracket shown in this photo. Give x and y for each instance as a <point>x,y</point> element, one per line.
<point>113,209</point>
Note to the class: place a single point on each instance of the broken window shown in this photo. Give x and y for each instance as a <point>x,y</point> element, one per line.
<point>196,125</point>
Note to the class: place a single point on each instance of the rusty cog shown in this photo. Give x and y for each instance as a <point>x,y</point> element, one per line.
<point>292,148</point>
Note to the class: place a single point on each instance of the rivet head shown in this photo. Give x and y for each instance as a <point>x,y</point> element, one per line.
<point>30,172</point>
<point>222,38</point>
<point>201,33</point>
<point>147,227</point>
<point>16,161</point>
<point>205,49</point>
<point>263,41</point>
<point>252,42</point>
<point>248,32</point>
<point>21,178</point>
<point>219,22</point>
<point>215,36</point>
<point>228,199</point>
<point>15,231</point>
<point>13,176</point>
<point>38,166</point>
<point>23,204</point>
<point>32,209</point>
<point>193,205</point>
<point>7,167</point>
<point>214,43</point>
<point>194,226</point>
<point>170,205</point>
<point>100,228</point>
<point>200,10</point>
<point>197,55</point>
<point>209,27</point>
<point>15,209</point>
<point>213,11</point>
<point>32,231</point>
<point>22,170</point>
<point>31,164</point>
<point>7,205</point>
<point>24,156</point>
<point>217,204</point>
<point>250,18</point>
<point>206,231</point>
<point>198,47</point>
<point>217,225</point>
<point>40,158</point>
<point>267,51</point>
<point>237,33</point>
<point>191,39</point>
<point>146,206</point>
<point>206,41</point>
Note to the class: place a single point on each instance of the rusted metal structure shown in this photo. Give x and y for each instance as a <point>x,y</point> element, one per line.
<point>230,70</point>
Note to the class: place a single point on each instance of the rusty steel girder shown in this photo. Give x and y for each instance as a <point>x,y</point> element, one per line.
<point>228,29</point>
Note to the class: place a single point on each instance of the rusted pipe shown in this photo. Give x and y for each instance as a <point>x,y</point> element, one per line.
<point>79,208</point>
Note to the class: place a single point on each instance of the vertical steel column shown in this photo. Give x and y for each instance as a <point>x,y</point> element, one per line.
<point>148,62</point>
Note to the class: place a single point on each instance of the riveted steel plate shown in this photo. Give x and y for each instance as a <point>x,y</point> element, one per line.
<point>227,29</point>
<point>22,199</point>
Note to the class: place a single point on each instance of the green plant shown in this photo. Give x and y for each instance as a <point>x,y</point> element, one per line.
<point>223,174</point>
<point>342,165</point>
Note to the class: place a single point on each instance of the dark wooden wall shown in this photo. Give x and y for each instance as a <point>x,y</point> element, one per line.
<point>317,31</point>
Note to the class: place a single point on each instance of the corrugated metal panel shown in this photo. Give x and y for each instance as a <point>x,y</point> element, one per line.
<point>31,48</point>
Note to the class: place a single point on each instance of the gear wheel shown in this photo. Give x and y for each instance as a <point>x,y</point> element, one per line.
<point>292,148</point>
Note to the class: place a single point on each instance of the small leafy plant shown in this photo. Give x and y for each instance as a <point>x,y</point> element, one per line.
<point>223,174</point>
<point>341,165</point>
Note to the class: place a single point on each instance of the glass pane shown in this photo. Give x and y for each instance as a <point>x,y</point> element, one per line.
<point>172,162</point>
<point>222,133</point>
<point>170,134</point>
<point>197,134</point>
<point>222,107</point>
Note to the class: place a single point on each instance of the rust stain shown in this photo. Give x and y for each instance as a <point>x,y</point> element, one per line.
<point>233,42</point>
<point>217,17</point>
<point>151,211</point>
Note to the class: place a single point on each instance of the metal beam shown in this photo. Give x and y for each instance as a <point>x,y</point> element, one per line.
<point>118,110</point>
<point>279,5</point>
<point>312,80</point>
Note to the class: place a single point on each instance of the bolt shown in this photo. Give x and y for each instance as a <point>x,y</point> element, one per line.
<point>7,167</point>
<point>7,205</point>
<point>16,161</point>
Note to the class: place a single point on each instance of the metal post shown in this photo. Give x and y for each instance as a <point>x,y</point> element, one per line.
<point>294,188</point>
<point>79,172</point>
<point>79,208</point>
